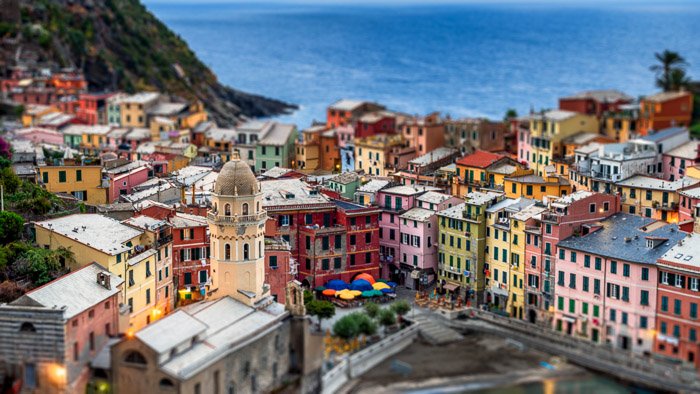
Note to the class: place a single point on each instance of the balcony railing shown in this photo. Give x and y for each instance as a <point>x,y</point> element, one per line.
<point>236,219</point>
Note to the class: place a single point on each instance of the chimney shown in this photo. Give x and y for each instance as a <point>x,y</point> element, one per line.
<point>103,280</point>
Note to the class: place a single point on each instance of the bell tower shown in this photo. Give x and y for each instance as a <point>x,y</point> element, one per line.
<point>237,231</point>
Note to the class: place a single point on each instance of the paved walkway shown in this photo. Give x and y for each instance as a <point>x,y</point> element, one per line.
<point>434,330</point>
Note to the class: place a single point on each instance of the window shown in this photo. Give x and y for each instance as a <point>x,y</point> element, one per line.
<point>626,270</point>
<point>203,276</point>
<point>643,322</point>
<point>227,252</point>
<point>598,263</point>
<point>560,279</point>
<point>78,175</point>
<point>572,306</point>
<point>131,278</point>
<point>336,263</point>
<point>148,296</point>
<point>572,257</point>
<point>134,357</point>
<point>693,310</point>
<point>596,286</point>
<point>664,304</point>
<point>562,254</point>
<point>62,176</point>
<point>572,281</point>
<point>644,297</point>
<point>677,306</point>
<point>645,273</point>
<point>587,261</point>
<point>591,208</point>
<point>246,252</point>
<point>613,267</point>
<point>585,284</point>
<point>560,303</point>
<point>368,238</point>
<point>613,315</point>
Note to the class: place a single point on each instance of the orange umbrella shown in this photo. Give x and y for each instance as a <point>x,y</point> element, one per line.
<point>366,277</point>
<point>328,292</point>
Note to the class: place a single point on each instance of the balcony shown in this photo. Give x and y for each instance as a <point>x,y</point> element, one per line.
<point>533,229</point>
<point>244,219</point>
<point>551,217</point>
<point>164,240</point>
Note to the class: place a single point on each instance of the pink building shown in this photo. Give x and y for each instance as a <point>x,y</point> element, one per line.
<point>345,135</point>
<point>606,280</point>
<point>524,147</point>
<point>564,217</point>
<point>394,202</point>
<point>280,267</point>
<point>677,160</point>
<point>124,178</point>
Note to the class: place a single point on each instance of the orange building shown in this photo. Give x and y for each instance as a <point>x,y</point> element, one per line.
<point>424,134</point>
<point>330,155</point>
<point>664,110</point>
<point>345,112</point>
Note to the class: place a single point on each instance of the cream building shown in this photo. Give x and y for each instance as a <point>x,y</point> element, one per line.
<point>237,228</point>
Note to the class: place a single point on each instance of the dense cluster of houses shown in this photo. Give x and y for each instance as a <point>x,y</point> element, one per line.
<point>581,218</point>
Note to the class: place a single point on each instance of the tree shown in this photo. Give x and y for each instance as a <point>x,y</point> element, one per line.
<point>10,291</point>
<point>669,63</point>
<point>511,114</point>
<point>401,307</point>
<point>678,79</point>
<point>346,327</point>
<point>9,180</point>
<point>365,325</point>
<point>386,317</point>
<point>308,297</point>
<point>11,225</point>
<point>321,309</point>
<point>371,309</point>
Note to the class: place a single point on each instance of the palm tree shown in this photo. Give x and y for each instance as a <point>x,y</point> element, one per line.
<point>669,62</point>
<point>678,79</point>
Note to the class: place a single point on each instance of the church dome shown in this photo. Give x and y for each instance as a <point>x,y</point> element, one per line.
<point>236,178</point>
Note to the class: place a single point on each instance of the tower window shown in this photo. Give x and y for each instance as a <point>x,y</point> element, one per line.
<point>227,252</point>
<point>246,251</point>
<point>244,209</point>
<point>227,209</point>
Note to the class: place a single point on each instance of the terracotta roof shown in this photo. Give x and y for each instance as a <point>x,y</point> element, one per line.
<point>479,159</point>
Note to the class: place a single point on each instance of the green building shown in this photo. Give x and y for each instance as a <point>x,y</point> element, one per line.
<point>345,184</point>
<point>462,243</point>
<point>276,148</point>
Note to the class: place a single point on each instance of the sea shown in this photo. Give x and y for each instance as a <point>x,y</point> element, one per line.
<point>465,60</point>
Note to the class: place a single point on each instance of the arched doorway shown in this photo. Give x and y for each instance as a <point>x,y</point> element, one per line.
<point>532,316</point>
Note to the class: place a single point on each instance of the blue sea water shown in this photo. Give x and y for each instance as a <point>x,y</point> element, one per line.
<point>465,60</point>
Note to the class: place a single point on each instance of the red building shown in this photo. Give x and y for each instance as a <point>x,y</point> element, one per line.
<point>344,112</point>
<point>594,102</point>
<point>678,297</point>
<point>280,267</point>
<point>92,108</point>
<point>343,249</point>
<point>380,122</point>
<point>663,110</point>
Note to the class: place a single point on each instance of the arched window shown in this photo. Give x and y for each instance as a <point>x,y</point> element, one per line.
<point>227,252</point>
<point>135,357</point>
<point>246,251</point>
<point>27,327</point>
<point>227,209</point>
<point>166,383</point>
<point>216,207</point>
<point>244,209</point>
<point>257,207</point>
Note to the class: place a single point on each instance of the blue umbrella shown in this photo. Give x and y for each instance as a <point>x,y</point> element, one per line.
<point>336,284</point>
<point>361,285</point>
<point>386,291</point>
<point>391,284</point>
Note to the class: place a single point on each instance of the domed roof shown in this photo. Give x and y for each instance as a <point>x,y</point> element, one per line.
<point>236,178</point>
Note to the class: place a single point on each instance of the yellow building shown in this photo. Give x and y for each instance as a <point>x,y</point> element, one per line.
<point>160,127</point>
<point>34,112</point>
<point>134,108</point>
<point>83,182</point>
<point>693,172</point>
<point>537,187</point>
<point>381,154</point>
<point>122,249</point>
<point>516,291</point>
<point>308,150</point>
<point>652,197</point>
<point>549,129</point>
<point>484,170</point>
<point>158,233</point>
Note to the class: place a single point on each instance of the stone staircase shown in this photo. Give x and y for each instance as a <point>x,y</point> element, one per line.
<point>435,331</point>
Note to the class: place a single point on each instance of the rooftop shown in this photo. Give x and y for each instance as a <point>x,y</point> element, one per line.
<point>647,182</point>
<point>555,115</point>
<point>453,212</point>
<point>528,212</point>
<point>345,178</point>
<point>418,214</point>
<point>433,156</point>
<point>685,253</point>
<point>289,192</point>
<point>581,138</point>
<point>479,159</point>
<point>348,206</point>
<point>689,151</point>
<point>481,198</point>
<point>145,222</point>
<point>406,190</point>
<point>100,232</point>
<point>623,237</point>
<point>183,220</point>
<point>276,172</point>
<point>665,134</point>
<point>167,109</point>
<point>603,96</point>
<point>141,98</point>
<point>80,129</point>
<point>347,105</point>
<point>218,328</point>
<point>217,134</point>
<point>373,186</point>
<point>76,291</point>
<point>536,179</point>
<point>433,197</point>
<point>665,96</point>
<point>573,197</point>
<point>278,135</point>
<point>513,204</point>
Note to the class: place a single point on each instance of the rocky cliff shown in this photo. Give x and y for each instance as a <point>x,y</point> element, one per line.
<point>120,45</point>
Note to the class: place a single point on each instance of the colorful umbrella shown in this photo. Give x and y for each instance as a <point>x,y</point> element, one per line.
<point>320,288</point>
<point>328,292</point>
<point>368,293</point>
<point>386,291</point>
<point>377,293</point>
<point>391,284</point>
<point>347,296</point>
<point>336,284</point>
<point>366,277</point>
<point>356,293</point>
<point>380,285</point>
<point>361,285</point>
